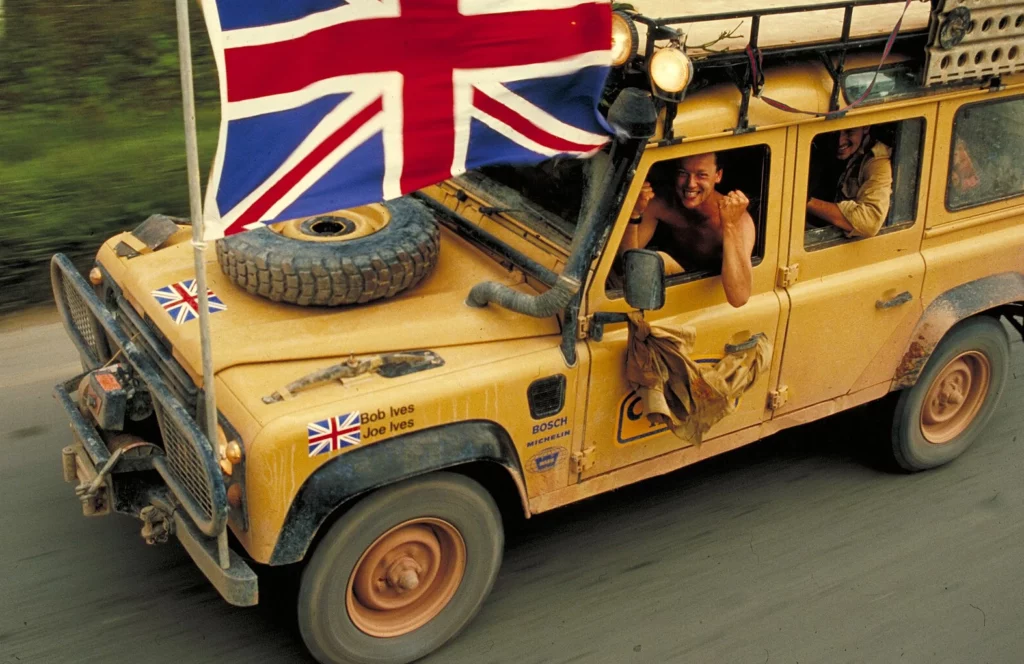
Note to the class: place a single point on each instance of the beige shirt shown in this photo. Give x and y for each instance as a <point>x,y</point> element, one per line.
<point>866,192</point>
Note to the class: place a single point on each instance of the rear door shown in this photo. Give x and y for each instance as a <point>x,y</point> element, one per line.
<point>854,302</point>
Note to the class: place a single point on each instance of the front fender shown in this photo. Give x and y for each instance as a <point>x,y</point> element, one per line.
<point>949,309</point>
<point>362,470</point>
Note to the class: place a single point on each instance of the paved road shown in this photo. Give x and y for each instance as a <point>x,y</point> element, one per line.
<point>793,550</point>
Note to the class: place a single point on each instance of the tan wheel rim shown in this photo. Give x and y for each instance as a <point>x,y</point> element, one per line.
<point>342,226</point>
<point>955,397</point>
<point>406,577</point>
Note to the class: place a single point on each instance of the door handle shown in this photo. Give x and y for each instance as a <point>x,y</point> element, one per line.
<point>746,345</point>
<point>896,301</point>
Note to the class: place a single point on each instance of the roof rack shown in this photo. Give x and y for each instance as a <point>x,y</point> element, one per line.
<point>964,40</point>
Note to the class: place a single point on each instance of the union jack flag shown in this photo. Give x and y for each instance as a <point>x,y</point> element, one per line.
<point>181,301</point>
<point>330,104</point>
<point>331,435</point>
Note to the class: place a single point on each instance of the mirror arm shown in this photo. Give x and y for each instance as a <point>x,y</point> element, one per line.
<point>602,318</point>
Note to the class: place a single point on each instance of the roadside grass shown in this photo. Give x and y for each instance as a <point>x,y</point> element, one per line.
<point>69,182</point>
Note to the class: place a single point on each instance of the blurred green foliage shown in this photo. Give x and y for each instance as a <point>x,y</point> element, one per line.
<point>91,138</point>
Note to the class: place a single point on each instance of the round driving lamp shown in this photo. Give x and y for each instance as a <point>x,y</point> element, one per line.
<point>625,39</point>
<point>671,72</point>
<point>229,451</point>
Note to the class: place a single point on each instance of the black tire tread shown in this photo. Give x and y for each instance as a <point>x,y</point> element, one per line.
<point>329,275</point>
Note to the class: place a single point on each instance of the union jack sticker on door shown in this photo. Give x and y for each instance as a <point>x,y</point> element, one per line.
<point>181,301</point>
<point>333,434</point>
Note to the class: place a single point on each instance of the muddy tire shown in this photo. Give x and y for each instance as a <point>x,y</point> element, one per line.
<point>937,419</point>
<point>402,572</point>
<point>323,262</point>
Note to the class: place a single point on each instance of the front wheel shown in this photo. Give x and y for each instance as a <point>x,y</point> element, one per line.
<point>402,572</point>
<point>955,396</point>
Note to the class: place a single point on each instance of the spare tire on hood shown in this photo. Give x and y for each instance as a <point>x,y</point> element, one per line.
<point>346,257</point>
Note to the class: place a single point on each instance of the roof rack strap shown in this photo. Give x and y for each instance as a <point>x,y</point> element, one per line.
<point>756,79</point>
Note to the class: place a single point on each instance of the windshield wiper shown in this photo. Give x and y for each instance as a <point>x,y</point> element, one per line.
<point>389,365</point>
<point>462,226</point>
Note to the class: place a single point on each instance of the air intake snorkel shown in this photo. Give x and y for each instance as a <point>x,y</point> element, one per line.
<point>634,118</point>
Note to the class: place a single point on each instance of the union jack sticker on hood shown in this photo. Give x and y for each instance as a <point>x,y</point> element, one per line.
<point>181,301</point>
<point>332,434</point>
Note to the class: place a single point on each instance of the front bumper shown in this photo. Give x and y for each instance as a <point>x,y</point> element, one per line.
<point>187,467</point>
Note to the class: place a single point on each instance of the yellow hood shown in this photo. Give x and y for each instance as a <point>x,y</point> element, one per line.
<point>255,330</point>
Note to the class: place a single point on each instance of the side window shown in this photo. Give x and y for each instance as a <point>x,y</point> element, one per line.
<point>863,181</point>
<point>985,157</point>
<point>681,220</point>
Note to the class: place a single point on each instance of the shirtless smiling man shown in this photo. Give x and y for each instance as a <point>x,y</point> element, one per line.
<point>699,229</point>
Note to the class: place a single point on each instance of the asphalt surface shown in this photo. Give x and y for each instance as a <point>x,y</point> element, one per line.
<point>796,549</point>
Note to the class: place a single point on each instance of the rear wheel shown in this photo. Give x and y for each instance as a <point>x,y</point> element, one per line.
<point>402,572</point>
<point>956,395</point>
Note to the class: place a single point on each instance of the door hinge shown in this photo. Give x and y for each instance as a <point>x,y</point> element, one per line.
<point>584,327</point>
<point>788,275</point>
<point>778,398</point>
<point>582,461</point>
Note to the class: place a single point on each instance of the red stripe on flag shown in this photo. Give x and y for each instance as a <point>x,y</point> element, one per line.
<point>276,192</point>
<point>353,47</point>
<point>501,112</point>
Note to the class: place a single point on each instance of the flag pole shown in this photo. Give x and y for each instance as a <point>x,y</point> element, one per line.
<point>198,246</point>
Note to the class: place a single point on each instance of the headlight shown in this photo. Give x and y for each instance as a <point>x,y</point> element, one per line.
<point>671,71</point>
<point>624,39</point>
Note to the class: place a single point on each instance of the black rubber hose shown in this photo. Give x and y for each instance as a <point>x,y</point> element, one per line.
<point>569,282</point>
<point>539,306</point>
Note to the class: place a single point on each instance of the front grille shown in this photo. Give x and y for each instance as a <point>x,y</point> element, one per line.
<point>184,462</point>
<point>83,322</point>
<point>146,336</point>
<point>188,466</point>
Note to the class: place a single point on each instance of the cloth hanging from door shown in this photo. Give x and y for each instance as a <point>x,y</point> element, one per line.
<point>687,396</point>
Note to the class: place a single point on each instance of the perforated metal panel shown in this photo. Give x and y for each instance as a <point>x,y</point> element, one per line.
<point>83,322</point>
<point>975,39</point>
<point>185,463</point>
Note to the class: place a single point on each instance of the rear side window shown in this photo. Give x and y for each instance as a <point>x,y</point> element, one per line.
<point>985,160</point>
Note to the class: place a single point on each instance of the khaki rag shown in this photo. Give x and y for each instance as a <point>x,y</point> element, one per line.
<point>688,397</point>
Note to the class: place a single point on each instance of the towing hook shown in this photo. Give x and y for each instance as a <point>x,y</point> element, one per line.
<point>157,524</point>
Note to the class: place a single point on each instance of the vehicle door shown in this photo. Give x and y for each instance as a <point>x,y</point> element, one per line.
<point>617,432</point>
<point>853,301</point>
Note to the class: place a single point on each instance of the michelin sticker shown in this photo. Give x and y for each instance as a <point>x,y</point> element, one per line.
<point>551,428</point>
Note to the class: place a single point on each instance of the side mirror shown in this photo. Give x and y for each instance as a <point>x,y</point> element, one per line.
<point>645,279</point>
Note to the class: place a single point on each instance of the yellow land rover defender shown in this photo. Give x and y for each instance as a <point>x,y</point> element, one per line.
<point>804,227</point>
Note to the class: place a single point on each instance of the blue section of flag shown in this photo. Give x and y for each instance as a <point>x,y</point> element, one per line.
<point>568,98</point>
<point>359,176</point>
<point>251,13</point>
<point>487,147</point>
<point>257,146</point>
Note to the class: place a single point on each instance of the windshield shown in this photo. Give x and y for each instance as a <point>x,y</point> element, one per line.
<point>556,186</point>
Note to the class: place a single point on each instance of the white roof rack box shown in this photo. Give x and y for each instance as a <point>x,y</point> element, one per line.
<point>800,27</point>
